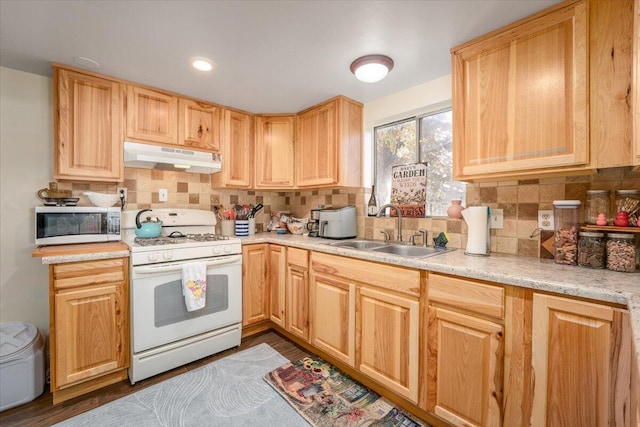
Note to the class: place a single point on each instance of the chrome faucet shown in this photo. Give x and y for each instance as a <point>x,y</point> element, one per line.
<point>389,205</point>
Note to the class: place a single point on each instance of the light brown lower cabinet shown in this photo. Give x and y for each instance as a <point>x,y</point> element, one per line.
<point>297,292</point>
<point>468,363</point>
<point>255,283</point>
<point>388,342</point>
<point>465,350</point>
<point>89,325</point>
<point>366,314</point>
<point>581,357</point>
<point>333,316</point>
<point>277,280</point>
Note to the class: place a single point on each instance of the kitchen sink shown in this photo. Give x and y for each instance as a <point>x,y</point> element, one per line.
<point>409,251</point>
<point>359,244</point>
<point>390,248</point>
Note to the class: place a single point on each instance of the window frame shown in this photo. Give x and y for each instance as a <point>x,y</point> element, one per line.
<point>414,116</point>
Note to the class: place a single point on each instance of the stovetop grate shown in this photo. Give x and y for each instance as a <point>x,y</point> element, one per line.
<point>177,237</point>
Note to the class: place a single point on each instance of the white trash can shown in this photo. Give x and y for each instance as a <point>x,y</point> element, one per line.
<point>21,364</point>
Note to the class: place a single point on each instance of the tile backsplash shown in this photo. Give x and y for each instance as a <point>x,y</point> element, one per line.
<point>520,201</point>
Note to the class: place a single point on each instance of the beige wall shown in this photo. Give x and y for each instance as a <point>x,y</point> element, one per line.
<point>26,149</point>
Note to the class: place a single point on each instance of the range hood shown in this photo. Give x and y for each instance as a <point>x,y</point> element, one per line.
<point>137,155</point>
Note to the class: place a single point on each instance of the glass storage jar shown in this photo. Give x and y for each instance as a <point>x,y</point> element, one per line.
<point>591,250</point>
<point>566,217</point>
<point>598,202</point>
<point>621,252</point>
<point>628,201</point>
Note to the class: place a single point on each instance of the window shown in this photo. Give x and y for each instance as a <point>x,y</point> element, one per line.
<point>427,139</point>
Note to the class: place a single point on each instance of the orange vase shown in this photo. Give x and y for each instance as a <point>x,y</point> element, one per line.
<point>455,210</point>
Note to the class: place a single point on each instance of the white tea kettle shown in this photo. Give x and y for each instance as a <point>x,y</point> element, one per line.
<point>478,219</point>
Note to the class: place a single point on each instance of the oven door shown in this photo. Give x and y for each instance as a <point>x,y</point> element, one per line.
<point>159,313</point>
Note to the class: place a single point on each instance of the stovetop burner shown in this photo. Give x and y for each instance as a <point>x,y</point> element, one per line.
<point>178,237</point>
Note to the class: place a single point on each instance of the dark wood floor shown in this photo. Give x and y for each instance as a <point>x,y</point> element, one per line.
<point>41,411</point>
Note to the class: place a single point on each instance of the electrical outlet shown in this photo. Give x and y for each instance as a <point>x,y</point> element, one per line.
<point>163,195</point>
<point>545,219</point>
<point>122,191</point>
<point>497,218</point>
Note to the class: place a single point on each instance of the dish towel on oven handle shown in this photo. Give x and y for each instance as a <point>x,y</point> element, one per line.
<point>194,285</point>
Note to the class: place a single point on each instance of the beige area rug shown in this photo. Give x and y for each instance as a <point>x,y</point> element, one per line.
<point>228,392</point>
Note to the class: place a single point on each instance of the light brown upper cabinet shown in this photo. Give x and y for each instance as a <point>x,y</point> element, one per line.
<point>636,84</point>
<point>237,146</point>
<point>87,126</point>
<point>152,116</point>
<point>199,125</point>
<point>274,158</point>
<point>547,94</point>
<point>327,147</point>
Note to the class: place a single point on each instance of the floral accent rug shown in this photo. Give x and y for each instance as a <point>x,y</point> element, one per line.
<point>325,396</point>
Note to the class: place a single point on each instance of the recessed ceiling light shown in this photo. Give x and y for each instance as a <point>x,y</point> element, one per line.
<point>85,62</point>
<point>202,64</point>
<point>371,68</point>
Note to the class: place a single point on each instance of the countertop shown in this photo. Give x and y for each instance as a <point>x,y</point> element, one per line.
<point>81,252</point>
<point>527,272</point>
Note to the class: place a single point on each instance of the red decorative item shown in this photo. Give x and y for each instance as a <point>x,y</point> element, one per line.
<point>622,219</point>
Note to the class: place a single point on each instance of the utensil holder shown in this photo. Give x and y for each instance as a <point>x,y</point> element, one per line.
<point>227,227</point>
<point>242,227</point>
<point>252,226</point>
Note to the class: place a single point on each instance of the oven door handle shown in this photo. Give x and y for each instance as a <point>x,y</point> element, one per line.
<point>164,268</point>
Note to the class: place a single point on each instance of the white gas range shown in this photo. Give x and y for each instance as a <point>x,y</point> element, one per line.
<point>164,334</point>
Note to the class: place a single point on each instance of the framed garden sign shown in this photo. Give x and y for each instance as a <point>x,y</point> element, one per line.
<point>409,189</point>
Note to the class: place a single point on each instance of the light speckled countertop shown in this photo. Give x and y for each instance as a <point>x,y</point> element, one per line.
<point>533,273</point>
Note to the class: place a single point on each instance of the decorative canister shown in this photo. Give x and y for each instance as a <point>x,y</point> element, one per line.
<point>566,215</point>
<point>621,252</point>
<point>597,203</point>
<point>627,208</point>
<point>591,250</point>
<point>455,210</point>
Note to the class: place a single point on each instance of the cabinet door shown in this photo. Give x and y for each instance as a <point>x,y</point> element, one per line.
<point>151,116</point>
<point>636,83</point>
<point>88,127</point>
<point>298,301</point>
<point>237,162</point>
<point>199,125</point>
<point>274,157</point>
<point>580,363</point>
<point>317,146</point>
<point>520,97</point>
<point>277,281</point>
<point>255,284</point>
<point>333,305</point>
<point>388,344</point>
<point>90,332</point>
<point>465,368</point>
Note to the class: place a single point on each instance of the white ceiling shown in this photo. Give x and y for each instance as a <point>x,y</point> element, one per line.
<point>272,56</point>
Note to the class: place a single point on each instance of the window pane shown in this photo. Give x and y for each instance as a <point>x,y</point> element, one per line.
<point>395,145</point>
<point>436,151</point>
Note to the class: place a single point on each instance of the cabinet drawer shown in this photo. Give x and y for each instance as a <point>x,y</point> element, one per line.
<point>467,295</point>
<point>84,273</point>
<point>298,257</point>
<point>390,277</point>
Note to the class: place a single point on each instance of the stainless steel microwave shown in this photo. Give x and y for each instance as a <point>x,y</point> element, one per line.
<point>66,225</point>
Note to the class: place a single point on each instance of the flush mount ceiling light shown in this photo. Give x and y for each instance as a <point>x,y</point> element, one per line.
<point>85,62</point>
<point>202,64</point>
<point>371,68</point>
